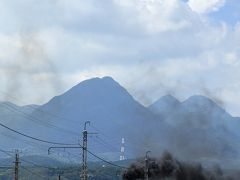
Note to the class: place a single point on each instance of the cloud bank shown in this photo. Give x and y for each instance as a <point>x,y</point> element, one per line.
<point>204,6</point>
<point>152,47</point>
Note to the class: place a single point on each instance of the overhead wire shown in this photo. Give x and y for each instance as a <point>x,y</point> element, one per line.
<point>6,167</point>
<point>57,143</point>
<point>108,162</point>
<point>26,161</point>
<point>109,141</point>
<point>50,142</point>
<point>36,109</point>
<point>34,164</point>
<point>109,137</point>
<point>105,144</point>
<point>28,142</point>
<point>53,115</point>
<point>23,160</point>
<point>37,120</point>
<point>34,138</point>
<point>7,152</point>
<point>33,173</point>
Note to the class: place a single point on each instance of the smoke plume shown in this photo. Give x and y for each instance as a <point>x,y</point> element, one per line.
<point>33,67</point>
<point>169,168</point>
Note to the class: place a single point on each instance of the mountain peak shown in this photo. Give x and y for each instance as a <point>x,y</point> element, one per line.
<point>165,100</point>
<point>97,81</point>
<point>93,92</point>
<point>109,78</point>
<point>168,98</point>
<point>102,101</point>
<point>199,100</point>
<point>94,85</point>
<point>200,103</point>
<point>165,105</point>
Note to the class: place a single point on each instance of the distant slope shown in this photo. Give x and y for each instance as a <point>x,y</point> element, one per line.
<point>15,117</point>
<point>165,106</point>
<point>196,128</point>
<point>113,113</point>
<point>32,160</point>
<point>204,128</point>
<point>197,111</point>
<point>102,101</point>
<point>7,108</point>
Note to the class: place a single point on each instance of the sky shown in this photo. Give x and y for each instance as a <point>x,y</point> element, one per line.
<point>151,47</point>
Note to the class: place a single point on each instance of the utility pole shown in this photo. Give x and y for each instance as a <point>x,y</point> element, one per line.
<point>146,169</point>
<point>17,162</point>
<point>84,154</point>
<point>84,172</point>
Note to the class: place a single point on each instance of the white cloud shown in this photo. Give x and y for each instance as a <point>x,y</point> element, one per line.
<point>158,15</point>
<point>205,6</point>
<point>152,47</point>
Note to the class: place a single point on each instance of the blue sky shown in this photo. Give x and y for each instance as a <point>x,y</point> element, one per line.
<point>229,14</point>
<point>152,47</point>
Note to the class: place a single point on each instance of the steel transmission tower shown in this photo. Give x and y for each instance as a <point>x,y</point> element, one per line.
<point>122,150</point>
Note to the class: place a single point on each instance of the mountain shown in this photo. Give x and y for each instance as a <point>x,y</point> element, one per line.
<point>14,115</point>
<point>165,106</point>
<point>7,108</point>
<point>100,100</point>
<point>197,111</point>
<point>112,111</point>
<point>32,160</point>
<point>195,128</point>
<point>205,128</point>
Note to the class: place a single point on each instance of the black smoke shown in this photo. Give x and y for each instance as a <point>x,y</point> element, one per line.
<point>169,168</point>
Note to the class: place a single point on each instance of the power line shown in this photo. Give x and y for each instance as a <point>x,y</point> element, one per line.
<point>111,139</point>
<point>49,125</point>
<point>34,164</point>
<point>85,149</point>
<point>7,152</point>
<point>25,141</point>
<point>33,173</point>
<point>6,167</point>
<point>23,160</point>
<point>34,138</point>
<point>17,162</point>
<point>108,162</point>
<point>36,120</point>
<point>35,109</point>
<point>45,112</point>
<point>96,156</point>
<point>57,143</point>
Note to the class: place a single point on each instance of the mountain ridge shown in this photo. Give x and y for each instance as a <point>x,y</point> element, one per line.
<point>113,111</point>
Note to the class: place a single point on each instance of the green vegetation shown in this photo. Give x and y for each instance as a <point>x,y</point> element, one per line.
<point>96,171</point>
